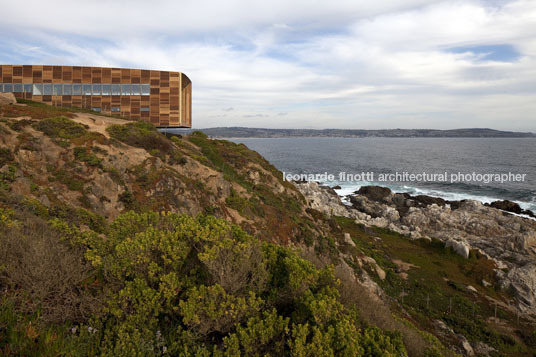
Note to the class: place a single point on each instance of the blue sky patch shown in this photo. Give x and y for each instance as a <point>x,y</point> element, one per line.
<point>501,53</point>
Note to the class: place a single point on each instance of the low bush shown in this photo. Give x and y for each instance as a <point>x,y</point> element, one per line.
<point>44,274</point>
<point>143,135</point>
<point>201,286</point>
<point>82,154</point>
<point>60,127</point>
<point>5,156</point>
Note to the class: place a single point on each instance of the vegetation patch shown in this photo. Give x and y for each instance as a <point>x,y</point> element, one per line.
<point>6,156</point>
<point>143,135</point>
<point>72,181</point>
<point>82,154</point>
<point>7,177</point>
<point>437,288</point>
<point>60,127</point>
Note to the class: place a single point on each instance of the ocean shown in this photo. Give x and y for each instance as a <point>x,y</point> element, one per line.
<point>483,169</point>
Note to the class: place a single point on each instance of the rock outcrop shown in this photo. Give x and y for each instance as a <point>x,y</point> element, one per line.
<point>7,98</point>
<point>508,240</point>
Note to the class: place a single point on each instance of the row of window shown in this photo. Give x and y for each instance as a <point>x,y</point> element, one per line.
<point>118,109</point>
<point>77,89</point>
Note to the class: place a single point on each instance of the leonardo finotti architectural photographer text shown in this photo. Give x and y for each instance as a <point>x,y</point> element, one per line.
<point>409,177</point>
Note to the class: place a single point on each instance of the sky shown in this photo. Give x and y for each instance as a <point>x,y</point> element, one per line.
<point>305,63</point>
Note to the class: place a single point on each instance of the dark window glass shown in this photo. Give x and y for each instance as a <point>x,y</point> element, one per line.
<point>86,89</point>
<point>77,89</point>
<point>106,90</point>
<point>116,109</point>
<point>125,89</point>
<point>38,89</point>
<point>27,88</point>
<point>47,89</point>
<point>8,87</point>
<point>67,89</point>
<point>97,89</point>
<point>144,109</point>
<point>116,89</point>
<point>145,89</point>
<point>58,89</point>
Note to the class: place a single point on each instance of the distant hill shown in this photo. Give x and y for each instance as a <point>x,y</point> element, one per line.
<point>241,132</point>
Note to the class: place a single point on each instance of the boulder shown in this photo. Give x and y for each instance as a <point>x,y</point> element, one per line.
<point>466,346</point>
<point>376,193</point>
<point>379,271</point>
<point>423,200</point>
<point>459,247</point>
<point>348,239</point>
<point>481,349</point>
<point>506,205</point>
<point>7,98</point>
<point>471,289</point>
<point>510,206</point>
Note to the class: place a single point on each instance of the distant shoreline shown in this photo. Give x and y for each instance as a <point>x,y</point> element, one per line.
<point>242,132</point>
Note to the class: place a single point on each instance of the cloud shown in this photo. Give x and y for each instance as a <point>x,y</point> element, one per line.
<point>404,63</point>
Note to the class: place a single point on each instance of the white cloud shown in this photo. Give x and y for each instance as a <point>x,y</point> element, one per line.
<point>324,64</point>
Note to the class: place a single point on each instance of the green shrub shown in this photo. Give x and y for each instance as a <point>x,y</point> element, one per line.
<point>5,156</point>
<point>127,198</point>
<point>70,180</point>
<point>7,177</point>
<point>60,127</point>
<point>82,154</point>
<point>201,286</point>
<point>143,135</point>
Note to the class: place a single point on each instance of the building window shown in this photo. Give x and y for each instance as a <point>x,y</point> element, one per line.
<point>125,89</point>
<point>47,89</point>
<point>67,89</point>
<point>77,89</point>
<point>116,109</point>
<point>57,89</point>
<point>96,109</point>
<point>97,88</point>
<point>37,89</point>
<point>106,89</point>
<point>136,89</point>
<point>86,89</point>
<point>144,109</point>
<point>145,89</point>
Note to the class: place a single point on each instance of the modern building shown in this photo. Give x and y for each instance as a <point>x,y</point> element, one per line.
<point>160,97</point>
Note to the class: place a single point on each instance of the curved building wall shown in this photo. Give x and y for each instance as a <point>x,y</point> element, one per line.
<point>161,97</point>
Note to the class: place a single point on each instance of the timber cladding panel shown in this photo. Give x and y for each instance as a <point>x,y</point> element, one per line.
<point>161,97</point>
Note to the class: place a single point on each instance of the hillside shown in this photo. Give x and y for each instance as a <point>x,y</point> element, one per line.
<point>240,132</point>
<point>118,240</point>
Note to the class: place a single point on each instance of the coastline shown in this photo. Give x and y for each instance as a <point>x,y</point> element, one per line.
<point>347,189</point>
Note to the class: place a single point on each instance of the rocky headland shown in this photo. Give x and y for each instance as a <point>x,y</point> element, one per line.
<point>468,227</point>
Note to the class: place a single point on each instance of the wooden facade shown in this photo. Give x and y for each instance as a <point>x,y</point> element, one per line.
<point>160,97</point>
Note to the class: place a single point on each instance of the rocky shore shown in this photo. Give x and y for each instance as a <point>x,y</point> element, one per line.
<point>465,226</point>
